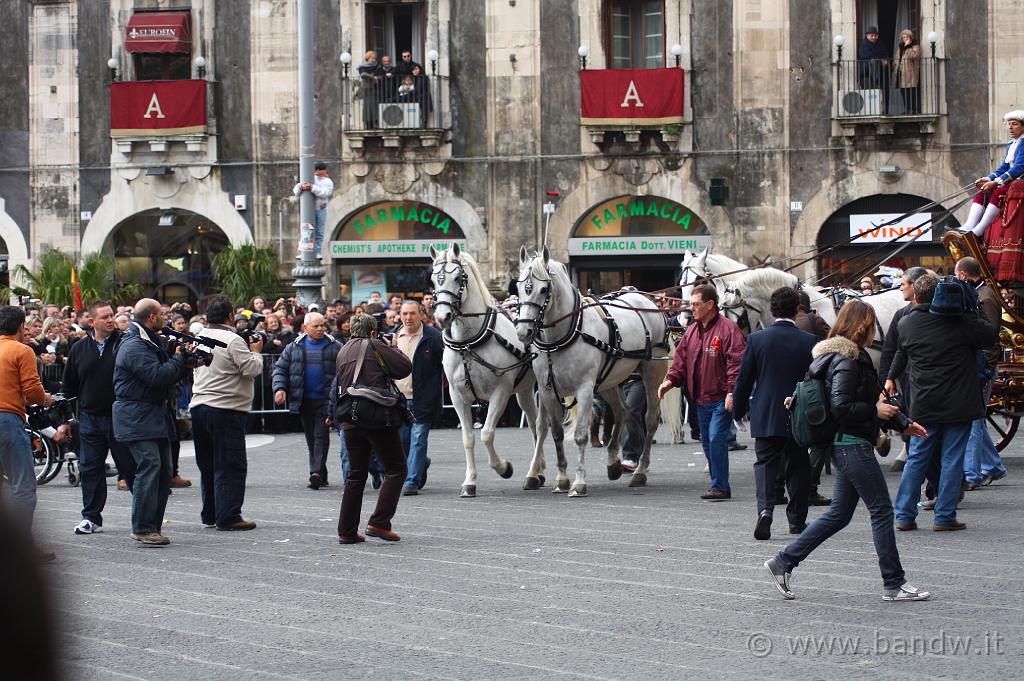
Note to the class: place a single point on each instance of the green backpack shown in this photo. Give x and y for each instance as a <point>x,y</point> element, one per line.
<point>810,418</point>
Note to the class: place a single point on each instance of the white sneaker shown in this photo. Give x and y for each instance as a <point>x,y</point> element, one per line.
<point>88,527</point>
<point>905,593</point>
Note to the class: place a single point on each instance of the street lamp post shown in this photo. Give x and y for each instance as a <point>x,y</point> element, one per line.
<point>677,52</point>
<point>308,272</point>
<point>583,51</point>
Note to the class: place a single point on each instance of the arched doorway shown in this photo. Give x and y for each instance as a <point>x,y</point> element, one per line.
<point>867,253</point>
<point>633,241</point>
<point>168,253</point>
<point>385,247</point>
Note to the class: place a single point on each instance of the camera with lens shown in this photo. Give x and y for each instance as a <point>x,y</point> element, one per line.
<point>191,350</point>
<point>46,420</point>
<point>250,334</point>
<point>29,302</point>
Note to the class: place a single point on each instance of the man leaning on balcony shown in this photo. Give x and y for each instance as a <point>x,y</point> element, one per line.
<point>322,188</point>
<point>873,64</point>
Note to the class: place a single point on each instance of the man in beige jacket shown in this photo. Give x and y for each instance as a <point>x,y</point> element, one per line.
<point>221,400</point>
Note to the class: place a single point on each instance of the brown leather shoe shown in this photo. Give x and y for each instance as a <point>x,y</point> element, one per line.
<point>352,540</point>
<point>386,535</point>
<point>122,486</point>
<point>178,481</point>
<point>238,526</point>
<point>949,527</point>
<point>715,495</point>
<point>906,527</point>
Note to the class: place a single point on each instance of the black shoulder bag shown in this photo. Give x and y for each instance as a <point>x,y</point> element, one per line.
<point>369,406</point>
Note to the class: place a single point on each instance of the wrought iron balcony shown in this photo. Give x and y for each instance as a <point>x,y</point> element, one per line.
<point>395,108</point>
<point>885,92</point>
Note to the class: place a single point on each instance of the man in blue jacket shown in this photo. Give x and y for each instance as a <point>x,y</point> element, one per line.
<point>144,379</point>
<point>303,375</point>
<point>776,359</point>
<point>422,344</point>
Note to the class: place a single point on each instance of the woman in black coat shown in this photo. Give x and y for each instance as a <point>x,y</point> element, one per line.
<point>379,364</point>
<point>858,407</point>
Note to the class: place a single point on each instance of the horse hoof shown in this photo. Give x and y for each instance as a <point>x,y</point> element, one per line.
<point>580,491</point>
<point>468,491</point>
<point>541,478</point>
<point>508,470</point>
<point>531,484</point>
<point>638,480</point>
<point>560,486</point>
<point>615,471</point>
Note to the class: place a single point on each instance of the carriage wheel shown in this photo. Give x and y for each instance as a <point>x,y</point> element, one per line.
<point>1002,425</point>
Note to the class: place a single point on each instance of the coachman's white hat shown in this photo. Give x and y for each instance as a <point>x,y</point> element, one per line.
<point>1017,115</point>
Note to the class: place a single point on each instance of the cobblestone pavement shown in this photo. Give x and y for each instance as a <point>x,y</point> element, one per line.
<point>649,583</point>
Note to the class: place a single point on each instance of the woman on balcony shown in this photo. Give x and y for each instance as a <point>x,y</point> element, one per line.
<point>908,71</point>
<point>369,83</point>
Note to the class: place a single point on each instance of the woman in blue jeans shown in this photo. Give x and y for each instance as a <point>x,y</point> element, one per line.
<point>859,408</point>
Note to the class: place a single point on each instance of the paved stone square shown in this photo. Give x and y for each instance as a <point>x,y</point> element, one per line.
<point>625,584</point>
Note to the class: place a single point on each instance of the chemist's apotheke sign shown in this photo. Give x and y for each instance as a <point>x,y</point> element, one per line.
<point>408,248</point>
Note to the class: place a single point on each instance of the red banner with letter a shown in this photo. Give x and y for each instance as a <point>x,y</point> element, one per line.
<point>152,108</point>
<point>631,97</point>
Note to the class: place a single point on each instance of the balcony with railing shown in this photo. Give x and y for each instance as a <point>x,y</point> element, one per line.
<point>395,110</point>
<point>151,115</point>
<point>884,94</point>
<point>632,105</point>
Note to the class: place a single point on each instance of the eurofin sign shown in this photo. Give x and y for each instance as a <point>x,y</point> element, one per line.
<point>400,212</point>
<point>869,230</point>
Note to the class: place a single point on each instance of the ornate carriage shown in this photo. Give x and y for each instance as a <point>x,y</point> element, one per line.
<point>1007,402</point>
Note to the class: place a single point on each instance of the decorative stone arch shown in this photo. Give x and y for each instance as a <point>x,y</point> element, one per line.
<point>832,197</point>
<point>359,195</point>
<point>121,203</point>
<point>672,186</point>
<point>17,247</point>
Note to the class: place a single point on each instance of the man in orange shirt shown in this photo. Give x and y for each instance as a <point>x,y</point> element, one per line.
<point>19,386</point>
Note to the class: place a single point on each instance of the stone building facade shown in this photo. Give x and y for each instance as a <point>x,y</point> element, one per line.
<point>780,140</point>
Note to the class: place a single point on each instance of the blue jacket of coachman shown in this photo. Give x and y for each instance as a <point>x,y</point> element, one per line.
<point>1010,171</point>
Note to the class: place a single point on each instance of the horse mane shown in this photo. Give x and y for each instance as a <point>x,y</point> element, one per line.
<point>474,273</point>
<point>726,263</point>
<point>767,277</point>
<point>540,271</point>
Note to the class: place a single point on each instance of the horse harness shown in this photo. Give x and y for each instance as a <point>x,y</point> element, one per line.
<point>612,348</point>
<point>465,348</point>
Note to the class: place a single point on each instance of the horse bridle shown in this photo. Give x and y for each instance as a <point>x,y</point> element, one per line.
<point>455,303</point>
<point>542,307</point>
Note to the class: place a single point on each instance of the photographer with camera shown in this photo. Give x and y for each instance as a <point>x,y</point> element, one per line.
<point>221,399</point>
<point>89,376</point>
<point>19,386</point>
<point>144,378</point>
<point>940,339</point>
<point>302,378</point>
<point>367,362</point>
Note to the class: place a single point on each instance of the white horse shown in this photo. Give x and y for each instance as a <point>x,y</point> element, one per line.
<point>752,289</point>
<point>583,347</point>
<point>483,359</point>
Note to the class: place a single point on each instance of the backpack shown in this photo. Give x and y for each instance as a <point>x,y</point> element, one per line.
<point>810,418</point>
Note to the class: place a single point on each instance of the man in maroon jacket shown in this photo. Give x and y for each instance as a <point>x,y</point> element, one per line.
<point>707,361</point>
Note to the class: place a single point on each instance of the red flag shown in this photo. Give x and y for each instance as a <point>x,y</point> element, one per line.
<point>76,290</point>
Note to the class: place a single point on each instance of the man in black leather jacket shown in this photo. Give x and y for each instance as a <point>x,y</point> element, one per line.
<point>941,352</point>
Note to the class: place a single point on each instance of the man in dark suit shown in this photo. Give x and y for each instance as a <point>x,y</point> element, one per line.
<point>776,359</point>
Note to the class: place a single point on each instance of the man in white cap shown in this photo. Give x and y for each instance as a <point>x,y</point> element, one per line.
<point>993,186</point>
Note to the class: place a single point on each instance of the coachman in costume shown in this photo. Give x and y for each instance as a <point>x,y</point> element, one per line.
<point>997,213</point>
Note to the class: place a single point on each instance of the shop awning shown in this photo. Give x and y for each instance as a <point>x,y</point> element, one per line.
<point>159,32</point>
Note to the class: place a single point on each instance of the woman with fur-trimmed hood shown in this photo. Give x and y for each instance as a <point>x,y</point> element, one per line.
<point>856,405</point>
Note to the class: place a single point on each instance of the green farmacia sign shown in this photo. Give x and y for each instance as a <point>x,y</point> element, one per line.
<point>383,213</point>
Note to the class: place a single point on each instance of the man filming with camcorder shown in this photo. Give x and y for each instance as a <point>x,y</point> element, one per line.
<point>222,394</point>
<point>145,373</point>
